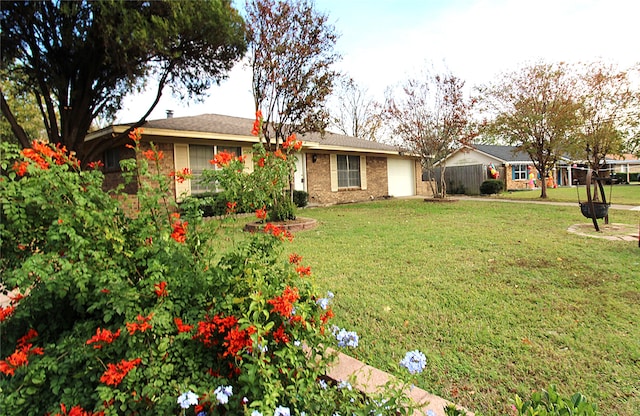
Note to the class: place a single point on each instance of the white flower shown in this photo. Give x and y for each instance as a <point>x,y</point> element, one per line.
<point>282,411</point>
<point>223,393</point>
<point>188,399</point>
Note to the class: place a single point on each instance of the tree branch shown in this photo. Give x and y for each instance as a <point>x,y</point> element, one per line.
<point>15,126</point>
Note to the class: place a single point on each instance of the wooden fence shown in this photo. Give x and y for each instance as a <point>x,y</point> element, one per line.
<point>464,179</point>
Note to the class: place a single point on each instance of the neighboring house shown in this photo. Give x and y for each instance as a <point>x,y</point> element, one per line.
<point>332,169</point>
<point>627,164</point>
<point>514,166</point>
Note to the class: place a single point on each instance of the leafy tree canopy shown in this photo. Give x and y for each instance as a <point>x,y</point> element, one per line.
<point>291,55</point>
<point>80,58</point>
<point>536,109</point>
<point>609,113</point>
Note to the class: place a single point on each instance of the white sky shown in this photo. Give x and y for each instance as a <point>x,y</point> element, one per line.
<point>383,42</point>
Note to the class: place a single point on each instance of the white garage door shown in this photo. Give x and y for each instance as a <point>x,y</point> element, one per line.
<point>401,177</point>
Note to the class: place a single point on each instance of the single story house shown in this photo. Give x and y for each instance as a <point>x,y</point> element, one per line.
<point>514,167</point>
<point>332,168</point>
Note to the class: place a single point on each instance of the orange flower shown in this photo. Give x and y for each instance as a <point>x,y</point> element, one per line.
<point>153,155</point>
<point>231,207</point>
<point>326,316</point>
<point>179,231</point>
<point>116,372</point>
<point>136,134</point>
<point>103,336</point>
<point>95,165</point>
<point>141,325</point>
<point>77,411</point>
<point>257,125</point>
<point>261,213</point>
<point>237,340</point>
<point>20,356</point>
<point>303,271</point>
<point>181,326</point>
<point>261,162</point>
<point>279,233</point>
<point>21,168</point>
<point>295,258</point>
<point>6,312</point>
<point>284,304</point>
<point>182,175</point>
<point>221,159</point>
<point>278,153</point>
<point>280,336</point>
<point>209,329</point>
<point>291,142</point>
<point>161,289</point>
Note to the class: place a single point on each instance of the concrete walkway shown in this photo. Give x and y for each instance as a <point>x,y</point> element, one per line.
<point>520,201</point>
<point>371,380</point>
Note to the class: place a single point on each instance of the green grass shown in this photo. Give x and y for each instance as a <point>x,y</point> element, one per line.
<point>500,297</point>
<point>616,194</point>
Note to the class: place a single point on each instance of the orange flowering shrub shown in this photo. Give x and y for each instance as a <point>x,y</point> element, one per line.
<point>118,314</point>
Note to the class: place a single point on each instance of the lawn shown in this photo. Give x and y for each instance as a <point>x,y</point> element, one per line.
<point>616,194</point>
<point>500,297</point>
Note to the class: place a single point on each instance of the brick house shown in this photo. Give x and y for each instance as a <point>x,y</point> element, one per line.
<point>514,166</point>
<point>332,169</point>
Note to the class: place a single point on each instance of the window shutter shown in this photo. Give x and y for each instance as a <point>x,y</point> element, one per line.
<point>363,172</point>
<point>333,167</point>
<point>513,171</point>
<point>181,161</point>
<point>247,152</point>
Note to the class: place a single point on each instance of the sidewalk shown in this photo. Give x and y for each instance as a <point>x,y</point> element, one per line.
<point>521,201</point>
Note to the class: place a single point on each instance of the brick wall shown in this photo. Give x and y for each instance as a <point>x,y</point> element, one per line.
<point>113,178</point>
<point>519,184</point>
<point>319,182</point>
<point>422,186</point>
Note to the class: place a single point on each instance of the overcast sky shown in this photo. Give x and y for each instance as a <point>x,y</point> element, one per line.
<point>383,42</point>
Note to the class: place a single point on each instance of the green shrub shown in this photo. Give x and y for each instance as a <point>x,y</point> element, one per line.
<point>622,177</point>
<point>136,315</point>
<point>491,186</point>
<point>300,198</point>
<point>550,403</point>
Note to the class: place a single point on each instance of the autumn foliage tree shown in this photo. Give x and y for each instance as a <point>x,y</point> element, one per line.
<point>291,48</point>
<point>537,110</point>
<point>80,58</point>
<point>610,110</point>
<point>431,116</point>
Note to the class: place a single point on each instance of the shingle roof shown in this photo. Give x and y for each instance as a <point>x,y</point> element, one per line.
<point>505,153</point>
<point>215,123</point>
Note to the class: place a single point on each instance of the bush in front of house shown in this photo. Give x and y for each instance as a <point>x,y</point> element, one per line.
<point>491,186</point>
<point>622,177</point>
<point>300,198</point>
<point>111,314</point>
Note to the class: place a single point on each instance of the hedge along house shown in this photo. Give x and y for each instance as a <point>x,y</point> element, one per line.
<point>331,168</point>
<point>514,167</point>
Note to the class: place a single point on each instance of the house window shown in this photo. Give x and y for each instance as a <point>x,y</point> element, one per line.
<point>199,157</point>
<point>111,159</point>
<point>348,171</point>
<point>519,172</point>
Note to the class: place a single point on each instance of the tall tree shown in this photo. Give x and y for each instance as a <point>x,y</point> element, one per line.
<point>80,58</point>
<point>609,111</point>
<point>431,115</point>
<point>356,113</point>
<point>536,109</point>
<point>291,48</point>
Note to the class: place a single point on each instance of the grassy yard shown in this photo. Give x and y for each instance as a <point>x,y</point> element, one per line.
<point>616,194</point>
<point>500,297</point>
